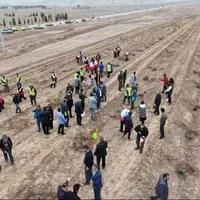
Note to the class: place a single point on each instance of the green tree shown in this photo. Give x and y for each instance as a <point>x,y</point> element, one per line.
<point>56,18</point>
<point>35,19</point>
<point>36,14</point>
<point>33,14</point>
<point>10,23</point>
<point>19,21</point>
<point>28,21</point>
<point>66,17</point>
<point>4,23</point>
<point>24,21</point>
<point>13,14</point>
<point>45,19</point>
<point>31,21</point>
<point>10,15</point>
<point>14,21</point>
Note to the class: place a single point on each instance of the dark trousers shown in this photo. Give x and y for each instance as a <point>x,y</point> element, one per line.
<point>82,78</point>
<point>78,118</point>
<point>142,120</point>
<point>156,111</point>
<point>1,107</point>
<point>45,128</point>
<point>70,111</point>
<point>103,98</point>
<point>33,100</point>
<point>127,130</point>
<point>101,74</point>
<point>124,81</point>
<point>108,74</point>
<point>169,96</point>
<point>139,146</point>
<point>77,89</point>
<point>61,129</point>
<point>121,126</point>
<point>103,161</point>
<point>120,85</point>
<point>18,109</point>
<point>51,124</point>
<point>8,153</point>
<point>97,193</point>
<point>98,103</point>
<point>67,121</point>
<point>132,105</point>
<point>83,105</point>
<point>53,85</point>
<point>88,175</point>
<point>126,97</point>
<point>38,124</point>
<point>162,130</point>
<point>164,88</point>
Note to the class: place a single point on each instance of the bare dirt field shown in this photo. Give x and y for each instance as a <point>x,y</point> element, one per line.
<point>163,41</point>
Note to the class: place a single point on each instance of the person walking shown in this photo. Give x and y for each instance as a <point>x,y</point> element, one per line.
<point>165,82</point>
<point>120,80</point>
<point>93,106</point>
<point>61,121</point>
<point>77,84</point>
<point>70,103</point>
<point>65,112</point>
<point>108,69</point>
<point>142,133</point>
<point>45,120</point>
<point>1,104</point>
<point>82,96</point>
<point>4,81</point>
<point>82,75</point>
<point>32,94</point>
<point>50,109</point>
<point>37,116</point>
<point>88,162</point>
<point>101,152</point>
<point>18,80</point>
<point>161,189</point>
<point>124,77</point>
<point>169,91</point>
<point>157,103</point>
<point>101,69</point>
<point>142,112</point>
<point>79,112</point>
<point>127,94</point>
<point>133,79</point>
<point>16,100</point>
<point>6,146</point>
<point>133,98</point>
<point>103,91</point>
<point>163,120</point>
<point>69,88</point>
<point>98,95</point>
<point>123,114</point>
<point>53,80</point>
<point>97,182</point>
<point>128,125</point>
<point>98,57</point>
<point>20,91</point>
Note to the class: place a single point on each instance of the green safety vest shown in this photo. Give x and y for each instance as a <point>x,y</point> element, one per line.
<point>66,113</point>
<point>108,68</point>
<point>94,135</point>
<point>4,81</point>
<point>75,75</point>
<point>18,79</point>
<point>31,92</point>
<point>128,91</point>
<point>81,73</point>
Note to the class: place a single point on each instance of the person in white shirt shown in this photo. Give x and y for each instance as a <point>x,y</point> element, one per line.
<point>170,90</point>
<point>123,114</point>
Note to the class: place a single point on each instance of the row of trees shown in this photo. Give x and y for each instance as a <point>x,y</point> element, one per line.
<point>9,14</point>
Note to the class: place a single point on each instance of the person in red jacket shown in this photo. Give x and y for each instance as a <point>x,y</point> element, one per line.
<point>165,82</point>
<point>1,104</point>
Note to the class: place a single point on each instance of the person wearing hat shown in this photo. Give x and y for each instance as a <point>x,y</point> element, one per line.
<point>128,125</point>
<point>97,182</point>
<point>6,147</point>
<point>101,152</point>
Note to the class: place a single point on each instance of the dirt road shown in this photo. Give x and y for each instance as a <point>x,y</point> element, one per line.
<point>43,162</point>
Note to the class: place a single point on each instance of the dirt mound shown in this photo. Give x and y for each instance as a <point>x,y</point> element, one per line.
<point>146,78</point>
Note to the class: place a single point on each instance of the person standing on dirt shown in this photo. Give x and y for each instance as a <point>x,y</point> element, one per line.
<point>98,95</point>
<point>126,56</point>
<point>170,90</point>
<point>133,98</point>
<point>1,104</point>
<point>98,57</point>
<point>163,120</point>
<point>50,109</point>
<point>82,97</point>
<point>88,162</point>
<point>97,182</point>
<point>123,114</point>
<point>127,94</point>
<point>77,84</point>
<point>53,80</point>
<point>37,116</point>
<point>4,81</point>
<point>108,69</point>
<point>18,80</point>
<point>79,112</point>
<point>16,101</point>
<point>103,91</point>
<point>142,133</point>
<point>70,103</point>
<point>118,51</point>
<point>124,77</point>
<point>101,69</point>
<point>20,91</point>
<point>115,53</point>
<point>128,125</point>
<point>120,80</point>
<point>69,88</point>
<point>157,103</point>
<point>32,94</point>
<point>80,58</point>
<point>161,189</point>
<point>165,82</point>
<point>61,121</point>
<point>45,120</point>
<point>93,106</point>
<point>142,112</point>
<point>6,146</point>
<point>65,112</point>
<point>101,152</point>
<point>133,79</point>
<point>82,74</point>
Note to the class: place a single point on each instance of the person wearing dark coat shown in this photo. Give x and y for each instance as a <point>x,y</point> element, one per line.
<point>97,182</point>
<point>157,103</point>
<point>16,101</point>
<point>142,133</point>
<point>78,111</point>
<point>88,162</point>
<point>50,109</point>
<point>103,92</point>
<point>101,152</point>
<point>124,77</point>
<point>120,80</point>
<point>6,147</point>
<point>62,191</point>
<point>74,195</point>
<point>70,103</point>
<point>161,189</point>
<point>45,120</point>
<point>82,96</point>
<point>128,125</point>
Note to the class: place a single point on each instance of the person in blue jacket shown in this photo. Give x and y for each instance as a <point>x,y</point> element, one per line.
<point>101,69</point>
<point>62,192</point>
<point>133,98</point>
<point>61,121</point>
<point>37,116</point>
<point>97,182</point>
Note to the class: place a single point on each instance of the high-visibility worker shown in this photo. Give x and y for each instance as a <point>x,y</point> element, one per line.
<point>53,80</point>
<point>76,74</point>
<point>108,69</point>
<point>18,80</point>
<point>95,134</point>
<point>32,94</point>
<point>82,74</point>
<point>4,81</point>
<point>127,93</point>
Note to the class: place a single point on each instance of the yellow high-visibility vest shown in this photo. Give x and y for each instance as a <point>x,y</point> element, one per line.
<point>31,92</point>
<point>81,73</point>
<point>108,68</point>
<point>95,135</point>
<point>128,91</point>
<point>75,75</point>
<point>18,79</point>
<point>4,80</point>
